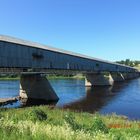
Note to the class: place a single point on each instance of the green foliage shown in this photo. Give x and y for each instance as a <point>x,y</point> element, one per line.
<point>70,119</point>
<point>37,114</point>
<point>44,123</point>
<point>96,125</point>
<point>99,125</point>
<point>129,62</point>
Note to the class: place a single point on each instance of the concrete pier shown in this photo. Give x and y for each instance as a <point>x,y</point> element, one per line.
<point>36,86</point>
<point>129,76</point>
<point>98,79</point>
<point>117,76</point>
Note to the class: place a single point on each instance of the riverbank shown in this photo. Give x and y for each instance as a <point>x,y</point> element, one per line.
<point>5,101</point>
<point>42,123</point>
<point>48,77</point>
<point>8,79</point>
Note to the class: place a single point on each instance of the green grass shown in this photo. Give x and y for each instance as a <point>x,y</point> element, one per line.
<point>9,78</point>
<point>44,123</point>
<point>78,76</point>
<point>48,77</point>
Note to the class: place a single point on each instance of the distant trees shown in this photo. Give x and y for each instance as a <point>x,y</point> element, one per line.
<point>129,62</point>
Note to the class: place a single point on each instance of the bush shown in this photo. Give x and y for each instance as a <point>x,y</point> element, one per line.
<point>37,115</point>
<point>70,119</point>
<point>99,125</point>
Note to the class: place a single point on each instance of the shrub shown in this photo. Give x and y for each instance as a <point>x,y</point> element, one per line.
<point>37,115</point>
<point>70,119</point>
<point>99,125</point>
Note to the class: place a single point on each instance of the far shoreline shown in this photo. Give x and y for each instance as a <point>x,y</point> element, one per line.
<point>48,77</point>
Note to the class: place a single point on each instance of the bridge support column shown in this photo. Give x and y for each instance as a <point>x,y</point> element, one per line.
<point>129,76</point>
<point>136,75</point>
<point>36,86</point>
<point>117,77</point>
<point>125,75</point>
<point>98,79</point>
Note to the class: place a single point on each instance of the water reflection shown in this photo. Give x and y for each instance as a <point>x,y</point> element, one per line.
<point>97,97</point>
<point>35,102</point>
<point>123,98</point>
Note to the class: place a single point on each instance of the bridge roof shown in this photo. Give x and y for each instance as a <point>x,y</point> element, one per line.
<point>46,47</point>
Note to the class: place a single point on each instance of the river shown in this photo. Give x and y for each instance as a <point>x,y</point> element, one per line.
<point>122,98</point>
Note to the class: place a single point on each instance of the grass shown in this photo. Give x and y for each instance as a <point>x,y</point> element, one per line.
<point>9,78</point>
<point>64,77</point>
<point>6,78</point>
<point>137,67</point>
<point>47,123</point>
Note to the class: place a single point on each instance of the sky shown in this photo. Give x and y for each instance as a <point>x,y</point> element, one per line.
<point>105,29</point>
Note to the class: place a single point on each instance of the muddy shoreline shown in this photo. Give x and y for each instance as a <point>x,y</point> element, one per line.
<point>5,101</point>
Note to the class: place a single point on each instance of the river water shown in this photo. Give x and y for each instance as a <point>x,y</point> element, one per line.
<point>122,98</point>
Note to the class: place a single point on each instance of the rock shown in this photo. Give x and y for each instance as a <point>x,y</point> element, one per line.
<point>5,101</point>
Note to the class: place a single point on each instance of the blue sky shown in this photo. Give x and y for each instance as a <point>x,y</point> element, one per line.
<point>107,29</point>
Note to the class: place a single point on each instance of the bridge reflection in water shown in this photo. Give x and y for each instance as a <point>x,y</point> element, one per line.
<point>122,98</point>
<point>36,102</point>
<point>97,97</point>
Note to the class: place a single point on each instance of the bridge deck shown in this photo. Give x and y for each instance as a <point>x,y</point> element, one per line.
<point>18,53</point>
<point>50,48</point>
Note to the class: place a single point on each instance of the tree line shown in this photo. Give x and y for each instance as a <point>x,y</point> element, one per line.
<point>128,62</point>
